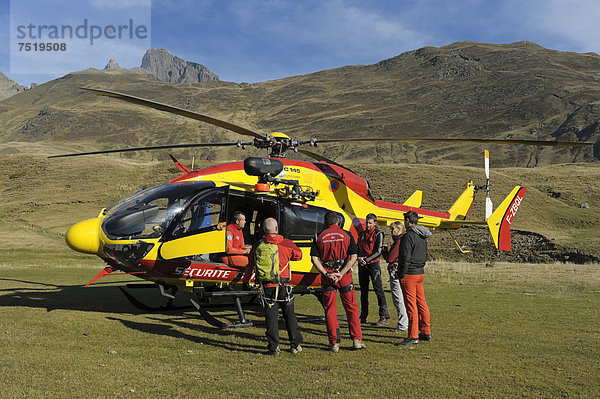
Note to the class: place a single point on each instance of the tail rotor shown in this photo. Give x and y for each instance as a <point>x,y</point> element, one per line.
<point>489,207</point>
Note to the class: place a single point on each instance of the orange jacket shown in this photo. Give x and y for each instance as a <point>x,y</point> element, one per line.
<point>235,240</point>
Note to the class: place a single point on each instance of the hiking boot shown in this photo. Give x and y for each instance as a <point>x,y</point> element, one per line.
<point>409,341</point>
<point>296,349</point>
<point>382,322</point>
<point>275,352</point>
<point>425,337</point>
<point>358,344</point>
<point>335,348</point>
<point>398,329</point>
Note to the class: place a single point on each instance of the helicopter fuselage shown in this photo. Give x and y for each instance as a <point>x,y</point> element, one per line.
<point>176,232</point>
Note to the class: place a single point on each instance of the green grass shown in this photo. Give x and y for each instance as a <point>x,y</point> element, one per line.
<point>512,330</point>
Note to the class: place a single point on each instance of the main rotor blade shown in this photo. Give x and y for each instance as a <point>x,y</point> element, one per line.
<point>484,141</point>
<point>178,111</point>
<point>321,158</point>
<point>152,147</point>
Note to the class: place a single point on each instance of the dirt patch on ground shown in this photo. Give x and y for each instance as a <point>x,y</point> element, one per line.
<point>526,247</point>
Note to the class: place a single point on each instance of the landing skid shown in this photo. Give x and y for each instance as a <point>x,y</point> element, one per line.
<point>203,304</point>
<point>236,295</point>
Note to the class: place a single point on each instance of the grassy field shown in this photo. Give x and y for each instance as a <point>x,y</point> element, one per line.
<point>512,330</point>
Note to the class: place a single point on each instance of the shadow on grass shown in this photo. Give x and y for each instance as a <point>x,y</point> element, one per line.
<point>160,328</point>
<point>171,327</point>
<point>109,299</point>
<point>96,298</point>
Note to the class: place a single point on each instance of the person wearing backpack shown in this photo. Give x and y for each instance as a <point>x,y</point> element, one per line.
<point>272,256</point>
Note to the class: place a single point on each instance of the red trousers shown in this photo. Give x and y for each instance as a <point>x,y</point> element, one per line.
<point>416,307</point>
<point>349,303</point>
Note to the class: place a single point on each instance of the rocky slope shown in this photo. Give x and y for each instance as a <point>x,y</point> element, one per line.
<point>462,90</point>
<point>171,69</point>
<point>8,87</point>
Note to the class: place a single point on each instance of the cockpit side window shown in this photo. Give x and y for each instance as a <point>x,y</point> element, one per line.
<point>206,213</point>
<point>148,213</point>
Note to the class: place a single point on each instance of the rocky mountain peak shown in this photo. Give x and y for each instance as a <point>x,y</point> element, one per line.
<point>171,69</point>
<point>112,65</point>
<point>8,87</point>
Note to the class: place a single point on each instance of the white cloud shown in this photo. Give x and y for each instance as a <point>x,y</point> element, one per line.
<point>573,25</point>
<point>337,28</point>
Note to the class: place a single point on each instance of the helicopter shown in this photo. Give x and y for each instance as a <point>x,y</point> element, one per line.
<point>174,234</point>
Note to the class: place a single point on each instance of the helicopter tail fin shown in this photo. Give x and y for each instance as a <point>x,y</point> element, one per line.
<point>500,220</point>
<point>415,200</point>
<point>462,206</point>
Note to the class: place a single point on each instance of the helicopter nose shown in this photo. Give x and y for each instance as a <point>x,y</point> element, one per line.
<point>84,236</point>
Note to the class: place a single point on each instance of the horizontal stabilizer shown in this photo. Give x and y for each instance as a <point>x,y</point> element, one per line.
<point>415,200</point>
<point>460,209</point>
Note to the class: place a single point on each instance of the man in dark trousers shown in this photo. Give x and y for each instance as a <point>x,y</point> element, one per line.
<point>412,259</point>
<point>278,295</point>
<point>333,254</point>
<point>370,244</point>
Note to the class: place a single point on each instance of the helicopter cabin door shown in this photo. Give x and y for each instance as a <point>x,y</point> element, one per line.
<point>200,228</point>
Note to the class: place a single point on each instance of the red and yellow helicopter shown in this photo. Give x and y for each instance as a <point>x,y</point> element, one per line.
<point>174,234</point>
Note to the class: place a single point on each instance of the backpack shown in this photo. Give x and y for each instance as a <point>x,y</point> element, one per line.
<point>266,260</point>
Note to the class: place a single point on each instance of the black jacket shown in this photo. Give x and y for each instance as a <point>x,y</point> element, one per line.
<point>413,251</point>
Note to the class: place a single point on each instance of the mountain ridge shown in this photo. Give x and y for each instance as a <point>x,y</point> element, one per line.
<point>466,89</point>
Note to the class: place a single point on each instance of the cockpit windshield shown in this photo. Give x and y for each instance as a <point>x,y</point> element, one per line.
<point>148,213</point>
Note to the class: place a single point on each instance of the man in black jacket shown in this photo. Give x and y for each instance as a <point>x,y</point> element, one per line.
<point>412,259</point>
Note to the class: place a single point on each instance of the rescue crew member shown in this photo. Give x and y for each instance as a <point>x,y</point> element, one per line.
<point>236,250</point>
<point>391,256</point>
<point>333,254</point>
<point>287,251</point>
<point>370,244</point>
<point>413,256</point>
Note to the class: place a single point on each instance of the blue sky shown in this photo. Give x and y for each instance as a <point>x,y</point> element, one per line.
<point>252,40</point>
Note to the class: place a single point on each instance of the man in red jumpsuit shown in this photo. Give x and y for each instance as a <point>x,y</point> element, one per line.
<point>333,254</point>
<point>280,297</point>
<point>236,250</point>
